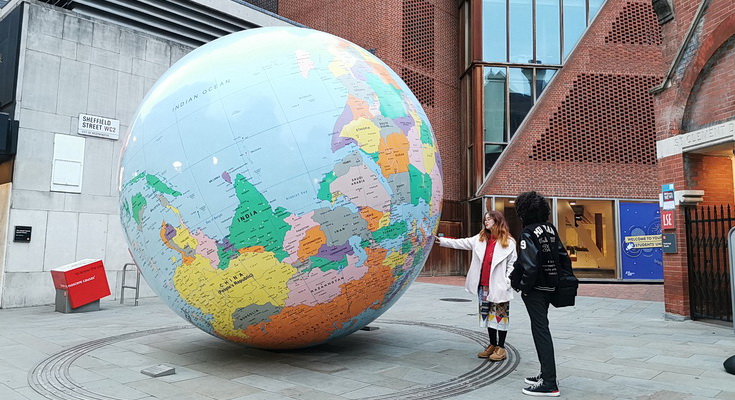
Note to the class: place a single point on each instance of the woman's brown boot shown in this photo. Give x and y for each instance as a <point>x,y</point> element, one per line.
<point>487,352</point>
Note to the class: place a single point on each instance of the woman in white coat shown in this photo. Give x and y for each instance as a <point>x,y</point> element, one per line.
<point>493,255</point>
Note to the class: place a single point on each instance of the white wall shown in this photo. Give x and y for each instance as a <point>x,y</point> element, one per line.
<point>71,64</point>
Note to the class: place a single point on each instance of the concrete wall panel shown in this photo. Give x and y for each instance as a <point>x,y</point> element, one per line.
<point>40,81</point>
<point>44,121</point>
<point>61,239</point>
<point>45,20</point>
<point>106,36</point>
<point>32,170</point>
<point>97,56</point>
<point>102,96</point>
<point>131,91</point>
<point>97,152</point>
<point>24,289</point>
<point>38,200</point>
<point>78,30</point>
<point>158,52</point>
<point>22,256</point>
<point>73,87</point>
<point>91,236</point>
<point>91,203</point>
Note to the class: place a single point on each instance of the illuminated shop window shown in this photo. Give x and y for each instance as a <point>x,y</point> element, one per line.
<point>587,229</point>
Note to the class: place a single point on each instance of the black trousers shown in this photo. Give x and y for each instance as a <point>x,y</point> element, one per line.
<point>537,305</point>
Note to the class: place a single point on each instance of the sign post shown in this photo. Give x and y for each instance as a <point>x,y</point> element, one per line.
<point>667,191</point>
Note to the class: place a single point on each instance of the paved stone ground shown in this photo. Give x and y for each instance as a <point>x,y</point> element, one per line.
<point>424,349</point>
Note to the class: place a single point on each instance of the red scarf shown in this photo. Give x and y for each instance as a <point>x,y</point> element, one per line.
<point>487,262</point>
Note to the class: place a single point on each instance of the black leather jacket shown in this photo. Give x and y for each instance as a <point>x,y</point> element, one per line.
<point>541,259</point>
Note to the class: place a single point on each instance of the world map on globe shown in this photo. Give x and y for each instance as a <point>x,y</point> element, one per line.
<point>280,187</point>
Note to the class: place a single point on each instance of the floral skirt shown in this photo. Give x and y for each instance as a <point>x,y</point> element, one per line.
<point>492,315</point>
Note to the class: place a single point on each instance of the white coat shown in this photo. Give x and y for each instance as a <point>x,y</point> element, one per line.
<point>502,266</point>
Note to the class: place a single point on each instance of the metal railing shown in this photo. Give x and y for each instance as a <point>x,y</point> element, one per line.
<point>136,286</point>
<point>707,229</point>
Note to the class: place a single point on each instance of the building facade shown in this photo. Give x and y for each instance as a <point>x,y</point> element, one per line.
<point>695,115</point>
<point>60,64</point>
<point>584,138</point>
<point>420,41</point>
<point>522,94</point>
<point>548,95</point>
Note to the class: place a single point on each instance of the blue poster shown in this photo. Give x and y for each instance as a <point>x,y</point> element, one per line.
<point>640,230</point>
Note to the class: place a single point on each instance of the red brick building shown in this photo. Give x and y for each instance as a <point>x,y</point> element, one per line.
<point>695,113</point>
<point>420,40</point>
<point>529,95</point>
<point>641,97</point>
<point>588,144</point>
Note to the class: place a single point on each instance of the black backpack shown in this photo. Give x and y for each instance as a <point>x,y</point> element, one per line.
<point>567,284</point>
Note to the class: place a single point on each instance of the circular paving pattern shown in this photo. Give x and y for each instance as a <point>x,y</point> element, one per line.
<point>52,380</point>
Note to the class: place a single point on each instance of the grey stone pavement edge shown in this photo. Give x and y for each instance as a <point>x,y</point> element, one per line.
<point>424,348</point>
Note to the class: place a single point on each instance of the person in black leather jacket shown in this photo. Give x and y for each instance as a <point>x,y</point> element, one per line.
<point>536,275</point>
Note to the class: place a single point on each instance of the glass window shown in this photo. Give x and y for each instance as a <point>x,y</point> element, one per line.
<point>465,106</point>
<point>494,92</point>
<point>543,77</point>
<point>465,13</point>
<point>520,96</point>
<point>587,230</point>
<point>492,153</point>
<point>508,208</point>
<point>521,31</point>
<point>595,6</point>
<point>471,189</point>
<point>494,41</point>
<point>575,22</point>
<point>548,33</point>
<point>475,224</point>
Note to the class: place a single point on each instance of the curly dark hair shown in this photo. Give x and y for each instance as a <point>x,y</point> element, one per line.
<point>532,208</point>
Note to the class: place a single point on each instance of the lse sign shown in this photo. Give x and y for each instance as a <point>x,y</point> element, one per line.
<point>667,219</point>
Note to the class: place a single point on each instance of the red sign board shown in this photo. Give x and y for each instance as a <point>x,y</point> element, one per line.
<point>667,219</point>
<point>84,281</point>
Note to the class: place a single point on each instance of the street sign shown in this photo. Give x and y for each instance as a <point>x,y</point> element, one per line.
<point>668,196</point>
<point>667,219</point>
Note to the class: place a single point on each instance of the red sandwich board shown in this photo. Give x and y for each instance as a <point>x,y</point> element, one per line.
<point>84,281</point>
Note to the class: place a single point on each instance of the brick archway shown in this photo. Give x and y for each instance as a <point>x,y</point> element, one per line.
<point>708,46</point>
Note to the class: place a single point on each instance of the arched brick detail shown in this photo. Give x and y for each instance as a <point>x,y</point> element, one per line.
<point>708,46</point>
<point>707,102</point>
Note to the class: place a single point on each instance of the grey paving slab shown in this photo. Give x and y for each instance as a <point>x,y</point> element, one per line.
<point>606,349</point>
<point>216,387</point>
<point>261,396</point>
<point>379,380</point>
<point>644,386</point>
<point>111,388</point>
<point>325,382</point>
<point>264,382</point>
<point>159,389</point>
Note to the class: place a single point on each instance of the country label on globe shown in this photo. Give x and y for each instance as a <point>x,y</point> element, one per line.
<point>280,187</point>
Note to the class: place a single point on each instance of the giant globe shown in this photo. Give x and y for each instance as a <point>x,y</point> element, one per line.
<point>280,187</point>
